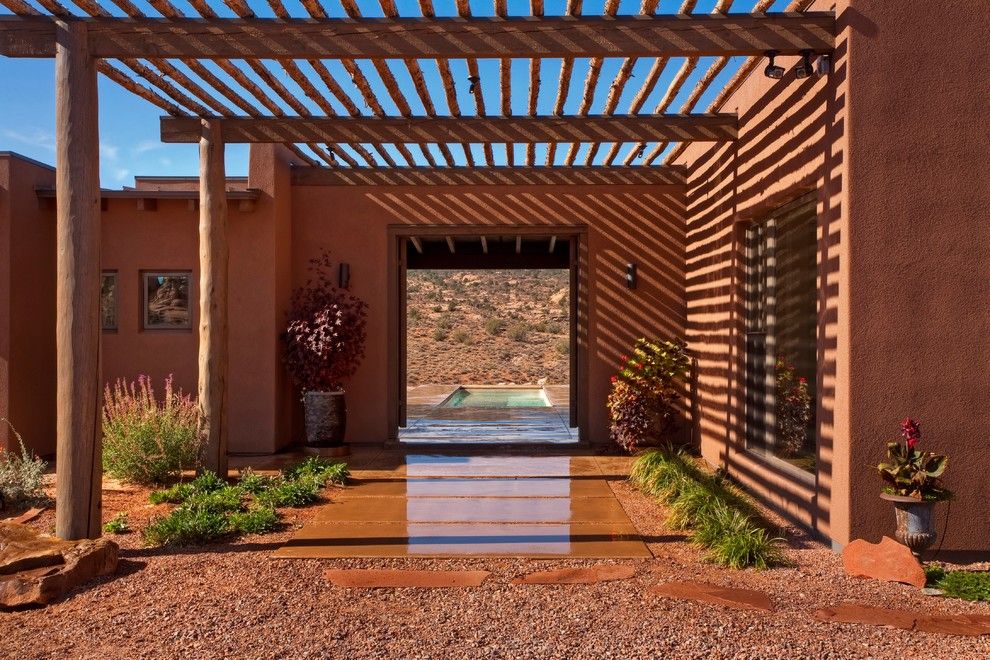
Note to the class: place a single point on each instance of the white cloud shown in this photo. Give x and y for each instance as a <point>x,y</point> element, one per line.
<point>165,162</point>
<point>34,137</point>
<point>109,151</point>
<point>146,146</point>
<point>121,174</point>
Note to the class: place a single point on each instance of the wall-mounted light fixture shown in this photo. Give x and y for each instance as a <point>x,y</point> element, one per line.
<point>631,276</point>
<point>824,64</point>
<point>773,70</point>
<point>805,68</point>
<point>344,277</point>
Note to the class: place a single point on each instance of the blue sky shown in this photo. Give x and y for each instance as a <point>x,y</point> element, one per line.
<point>129,125</point>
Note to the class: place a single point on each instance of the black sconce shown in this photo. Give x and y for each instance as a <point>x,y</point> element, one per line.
<point>631,276</point>
<point>344,277</point>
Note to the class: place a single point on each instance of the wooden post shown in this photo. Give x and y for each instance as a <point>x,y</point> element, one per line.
<point>213,298</point>
<point>77,327</point>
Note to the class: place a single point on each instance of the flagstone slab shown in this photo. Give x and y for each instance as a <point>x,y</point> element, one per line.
<point>945,624</point>
<point>887,560</point>
<point>582,575</point>
<point>702,592</point>
<point>385,578</point>
<point>26,517</point>
<point>475,487</point>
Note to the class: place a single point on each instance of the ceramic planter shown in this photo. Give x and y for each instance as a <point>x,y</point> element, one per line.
<point>326,418</point>
<point>915,522</point>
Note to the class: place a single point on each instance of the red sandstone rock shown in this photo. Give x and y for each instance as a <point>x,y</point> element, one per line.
<point>587,575</point>
<point>740,599</point>
<point>382,578</point>
<point>36,569</point>
<point>887,560</point>
<point>27,516</point>
<point>945,624</point>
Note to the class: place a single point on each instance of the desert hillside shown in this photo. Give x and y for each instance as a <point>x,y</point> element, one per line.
<point>487,326</point>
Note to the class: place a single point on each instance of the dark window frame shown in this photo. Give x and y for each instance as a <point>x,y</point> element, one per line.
<point>143,276</point>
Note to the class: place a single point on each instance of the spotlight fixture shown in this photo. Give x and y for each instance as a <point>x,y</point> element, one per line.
<point>805,68</point>
<point>772,70</point>
<point>631,275</point>
<point>474,80</point>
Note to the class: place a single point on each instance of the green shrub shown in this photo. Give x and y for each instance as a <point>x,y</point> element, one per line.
<point>968,585</point>
<point>118,524</point>
<point>563,346</point>
<point>147,441</point>
<point>721,518</point>
<point>517,332</point>
<point>326,470</point>
<point>225,500</point>
<point>257,520</point>
<point>494,327</point>
<point>179,493</point>
<point>21,474</point>
<point>185,526</point>
<point>291,492</point>
<point>254,483</point>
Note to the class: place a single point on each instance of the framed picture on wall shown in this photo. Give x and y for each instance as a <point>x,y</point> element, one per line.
<point>108,301</point>
<point>165,300</point>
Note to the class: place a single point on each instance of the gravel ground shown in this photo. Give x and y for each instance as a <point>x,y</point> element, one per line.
<point>232,600</point>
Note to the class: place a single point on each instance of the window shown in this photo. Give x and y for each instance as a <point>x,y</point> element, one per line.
<point>165,300</point>
<point>781,334</point>
<point>108,301</point>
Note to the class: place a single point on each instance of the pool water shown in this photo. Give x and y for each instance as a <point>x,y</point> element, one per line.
<point>497,398</point>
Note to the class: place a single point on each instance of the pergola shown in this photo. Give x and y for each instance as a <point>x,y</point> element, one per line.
<point>223,76</point>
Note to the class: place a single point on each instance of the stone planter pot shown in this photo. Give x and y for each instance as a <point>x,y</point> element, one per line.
<point>326,418</point>
<point>915,522</point>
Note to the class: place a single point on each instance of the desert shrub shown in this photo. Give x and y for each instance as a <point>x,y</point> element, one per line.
<point>446,322</point>
<point>554,328</point>
<point>517,332</point>
<point>462,337</point>
<point>539,326</point>
<point>643,402</point>
<point>452,306</point>
<point>118,524</point>
<point>21,473</point>
<point>145,440</point>
<point>186,526</point>
<point>257,520</point>
<point>439,334</point>
<point>720,517</point>
<point>210,509</point>
<point>413,315</point>
<point>437,308</point>
<point>562,346</point>
<point>968,585</point>
<point>494,327</point>
<point>324,470</point>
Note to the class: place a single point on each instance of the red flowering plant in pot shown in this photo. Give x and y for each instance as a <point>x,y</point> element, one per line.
<point>642,403</point>
<point>324,344</point>
<point>912,482</point>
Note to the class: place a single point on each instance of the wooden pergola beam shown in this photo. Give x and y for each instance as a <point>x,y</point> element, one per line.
<point>398,38</point>
<point>642,128</point>
<point>671,176</point>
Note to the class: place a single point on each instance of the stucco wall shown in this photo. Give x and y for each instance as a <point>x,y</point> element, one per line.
<point>27,291</point>
<point>624,224</point>
<point>891,142</point>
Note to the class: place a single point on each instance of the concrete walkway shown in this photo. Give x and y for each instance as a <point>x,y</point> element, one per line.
<point>455,505</point>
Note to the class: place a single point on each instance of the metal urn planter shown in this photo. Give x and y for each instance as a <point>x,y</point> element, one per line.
<point>915,522</point>
<point>326,418</point>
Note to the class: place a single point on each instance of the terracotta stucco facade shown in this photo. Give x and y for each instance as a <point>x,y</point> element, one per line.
<point>890,146</point>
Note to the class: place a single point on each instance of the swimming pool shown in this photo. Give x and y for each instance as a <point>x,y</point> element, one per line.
<point>497,397</point>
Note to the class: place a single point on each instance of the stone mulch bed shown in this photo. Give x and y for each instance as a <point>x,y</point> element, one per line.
<point>231,599</point>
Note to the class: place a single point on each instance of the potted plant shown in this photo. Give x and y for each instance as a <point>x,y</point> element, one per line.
<point>913,485</point>
<point>324,344</point>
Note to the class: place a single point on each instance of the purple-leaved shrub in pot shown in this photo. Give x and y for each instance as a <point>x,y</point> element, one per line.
<point>324,344</point>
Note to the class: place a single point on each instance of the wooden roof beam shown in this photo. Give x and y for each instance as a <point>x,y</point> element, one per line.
<point>476,37</point>
<point>486,130</point>
<point>672,177</point>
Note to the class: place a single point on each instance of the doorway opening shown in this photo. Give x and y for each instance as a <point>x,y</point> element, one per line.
<point>488,340</point>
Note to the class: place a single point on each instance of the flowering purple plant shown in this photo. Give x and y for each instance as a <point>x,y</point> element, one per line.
<point>326,331</point>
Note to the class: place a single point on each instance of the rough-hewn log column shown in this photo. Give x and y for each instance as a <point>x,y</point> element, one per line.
<point>77,328</point>
<point>213,298</point>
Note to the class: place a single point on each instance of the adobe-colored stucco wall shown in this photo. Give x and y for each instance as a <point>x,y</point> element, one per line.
<point>892,142</point>
<point>624,224</point>
<point>27,319</point>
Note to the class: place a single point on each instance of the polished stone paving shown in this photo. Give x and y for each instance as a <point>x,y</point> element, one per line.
<point>455,505</point>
